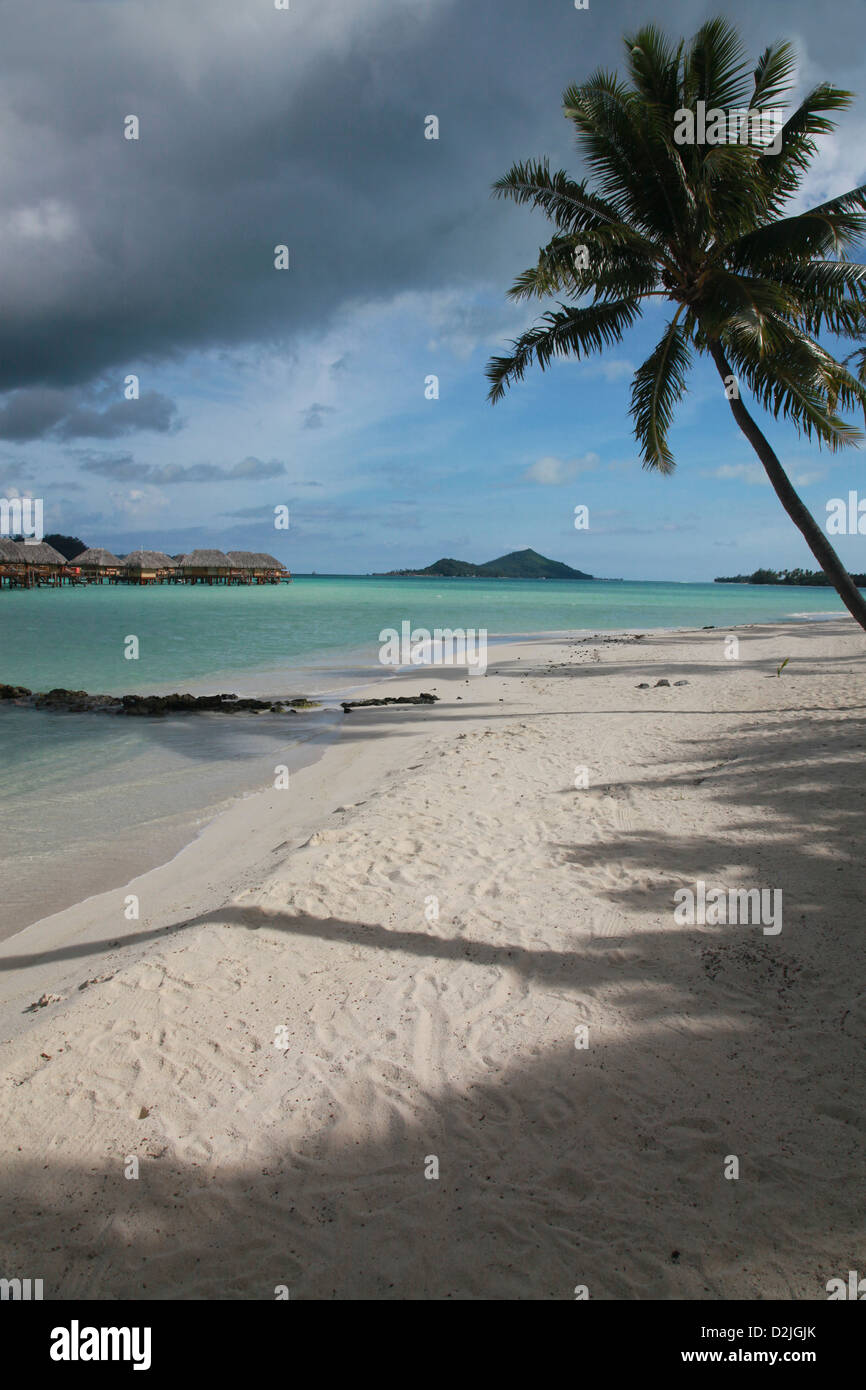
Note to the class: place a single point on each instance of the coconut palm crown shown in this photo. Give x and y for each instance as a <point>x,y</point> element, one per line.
<point>704,227</point>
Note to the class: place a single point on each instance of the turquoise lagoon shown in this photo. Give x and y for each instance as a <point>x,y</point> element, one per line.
<point>90,800</point>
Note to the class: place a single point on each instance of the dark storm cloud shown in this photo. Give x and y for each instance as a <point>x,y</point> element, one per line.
<point>152,411</point>
<point>261,127</point>
<point>46,412</point>
<point>124,468</point>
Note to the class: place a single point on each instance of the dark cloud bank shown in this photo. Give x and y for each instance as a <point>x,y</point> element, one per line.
<point>261,127</point>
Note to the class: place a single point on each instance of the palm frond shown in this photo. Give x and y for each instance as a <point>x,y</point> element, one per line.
<point>773,72</point>
<point>715,66</point>
<point>627,146</point>
<point>792,382</point>
<point>658,385</point>
<point>654,65</point>
<point>832,226</point>
<point>571,332</point>
<point>780,175</point>
<point>764,302</point>
<point>569,204</point>
<point>610,272</point>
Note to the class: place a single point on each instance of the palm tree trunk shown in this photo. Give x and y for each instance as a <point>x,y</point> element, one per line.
<point>796,509</point>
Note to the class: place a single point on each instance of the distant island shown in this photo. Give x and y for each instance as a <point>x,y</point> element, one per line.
<point>518,564</point>
<point>803,578</point>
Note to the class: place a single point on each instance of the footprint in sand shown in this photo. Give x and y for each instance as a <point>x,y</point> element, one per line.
<point>608,924</point>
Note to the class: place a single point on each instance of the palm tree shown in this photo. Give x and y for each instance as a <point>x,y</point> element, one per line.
<point>701,225</point>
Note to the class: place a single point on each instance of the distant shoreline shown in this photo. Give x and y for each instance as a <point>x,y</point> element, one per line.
<point>512,578</point>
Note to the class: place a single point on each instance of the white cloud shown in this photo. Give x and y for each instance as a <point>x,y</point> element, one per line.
<point>136,504</point>
<point>49,220</point>
<point>751,473</point>
<point>464,321</point>
<point>552,472</point>
<point>754,475</point>
<point>608,368</point>
<point>611,368</point>
<point>840,162</point>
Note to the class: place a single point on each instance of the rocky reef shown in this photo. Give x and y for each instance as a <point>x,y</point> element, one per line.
<point>81,702</point>
<point>422,699</point>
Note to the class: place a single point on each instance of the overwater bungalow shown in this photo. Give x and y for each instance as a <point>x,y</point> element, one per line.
<point>257,567</point>
<point>43,564</point>
<point>148,567</point>
<point>205,567</point>
<point>97,564</point>
<point>30,565</point>
<point>13,571</point>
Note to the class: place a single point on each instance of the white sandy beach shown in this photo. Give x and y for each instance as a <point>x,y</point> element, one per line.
<point>308,909</point>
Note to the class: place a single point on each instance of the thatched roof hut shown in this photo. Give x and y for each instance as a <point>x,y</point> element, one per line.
<point>205,564</point>
<point>149,560</point>
<point>205,560</point>
<point>12,568</point>
<point>256,560</point>
<point>148,567</point>
<point>41,554</point>
<point>96,558</point>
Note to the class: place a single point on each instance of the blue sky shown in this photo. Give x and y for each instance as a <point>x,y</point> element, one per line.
<point>306,387</point>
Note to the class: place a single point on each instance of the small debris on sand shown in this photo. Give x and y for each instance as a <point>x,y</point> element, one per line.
<point>97,980</point>
<point>41,1003</point>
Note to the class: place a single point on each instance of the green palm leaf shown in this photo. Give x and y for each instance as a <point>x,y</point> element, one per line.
<point>568,333</point>
<point>657,387</point>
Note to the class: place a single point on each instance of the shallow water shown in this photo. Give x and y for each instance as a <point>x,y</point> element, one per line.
<point>76,637</point>
<point>88,801</point>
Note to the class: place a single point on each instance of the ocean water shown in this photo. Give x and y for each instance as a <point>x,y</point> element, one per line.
<point>87,801</point>
<point>75,637</point>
